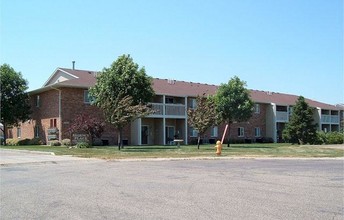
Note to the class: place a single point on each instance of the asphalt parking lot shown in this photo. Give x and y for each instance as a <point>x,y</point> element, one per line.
<point>55,187</point>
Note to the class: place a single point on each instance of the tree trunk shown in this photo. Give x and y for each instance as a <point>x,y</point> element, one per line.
<point>119,139</point>
<point>90,139</point>
<point>4,130</point>
<point>229,135</point>
<point>121,134</point>
<point>198,141</point>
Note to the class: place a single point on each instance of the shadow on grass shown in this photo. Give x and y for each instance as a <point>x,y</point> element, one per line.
<point>147,148</point>
<point>248,146</point>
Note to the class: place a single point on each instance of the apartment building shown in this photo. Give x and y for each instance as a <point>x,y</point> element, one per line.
<point>65,95</point>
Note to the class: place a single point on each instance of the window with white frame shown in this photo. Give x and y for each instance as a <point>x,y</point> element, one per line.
<point>36,131</point>
<point>18,132</point>
<point>214,131</point>
<point>37,101</point>
<point>241,132</point>
<point>257,132</point>
<point>193,132</point>
<point>193,103</point>
<point>256,108</point>
<point>87,97</point>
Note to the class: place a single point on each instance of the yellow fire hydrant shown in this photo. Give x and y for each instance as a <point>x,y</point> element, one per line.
<point>218,148</point>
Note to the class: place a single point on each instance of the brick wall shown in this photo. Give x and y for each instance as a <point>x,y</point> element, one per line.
<point>257,120</point>
<point>46,115</point>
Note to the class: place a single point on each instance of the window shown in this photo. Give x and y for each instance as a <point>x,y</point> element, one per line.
<point>10,133</point>
<point>256,108</point>
<point>193,103</point>
<point>169,100</point>
<point>36,131</point>
<point>87,97</point>
<point>214,131</point>
<point>257,132</point>
<point>53,123</point>
<point>241,132</point>
<point>194,132</point>
<point>18,132</point>
<point>37,101</point>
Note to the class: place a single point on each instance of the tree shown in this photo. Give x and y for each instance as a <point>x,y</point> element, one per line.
<point>233,102</point>
<point>203,116</point>
<point>301,128</point>
<point>88,124</point>
<point>15,106</point>
<point>122,91</point>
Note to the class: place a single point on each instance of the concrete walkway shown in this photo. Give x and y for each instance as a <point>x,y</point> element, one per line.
<point>8,156</point>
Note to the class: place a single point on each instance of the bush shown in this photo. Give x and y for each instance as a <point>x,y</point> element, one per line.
<point>12,142</point>
<point>66,142</point>
<point>329,137</point>
<point>35,141</point>
<point>321,138</point>
<point>334,137</point>
<point>83,145</point>
<point>25,141</point>
<point>54,143</point>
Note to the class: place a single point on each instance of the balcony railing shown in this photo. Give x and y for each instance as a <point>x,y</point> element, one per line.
<point>282,116</point>
<point>330,119</point>
<point>175,109</point>
<point>170,109</point>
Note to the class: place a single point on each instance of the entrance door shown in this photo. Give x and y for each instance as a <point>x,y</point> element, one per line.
<point>144,134</point>
<point>169,134</point>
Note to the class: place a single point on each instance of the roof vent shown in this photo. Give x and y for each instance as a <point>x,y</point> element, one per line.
<point>73,62</point>
<point>171,81</point>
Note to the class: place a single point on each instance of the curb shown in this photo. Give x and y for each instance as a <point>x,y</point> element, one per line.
<point>221,158</point>
<point>29,151</point>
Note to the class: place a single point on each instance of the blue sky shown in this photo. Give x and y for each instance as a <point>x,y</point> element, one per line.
<point>287,46</point>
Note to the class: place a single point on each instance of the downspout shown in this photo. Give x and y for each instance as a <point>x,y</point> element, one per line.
<point>60,117</point>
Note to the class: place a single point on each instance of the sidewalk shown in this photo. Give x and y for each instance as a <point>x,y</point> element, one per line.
<point>8,156</point>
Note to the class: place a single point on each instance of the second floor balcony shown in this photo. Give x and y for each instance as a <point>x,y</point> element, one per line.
<point>330,119</point>
<point>282,116</point>
<point>161,109</point>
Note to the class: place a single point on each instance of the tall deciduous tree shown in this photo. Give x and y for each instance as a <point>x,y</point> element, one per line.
<point>122,91</point>
<point>15,107</point>
<point>203,116</point>
<point>301,128</point>
<point>233,102</point>
<point>88,124</point>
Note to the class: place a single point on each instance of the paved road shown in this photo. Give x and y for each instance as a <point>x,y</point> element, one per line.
<point>192,189</point>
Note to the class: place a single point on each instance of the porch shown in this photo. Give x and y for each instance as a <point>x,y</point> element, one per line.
<point>158,131</point>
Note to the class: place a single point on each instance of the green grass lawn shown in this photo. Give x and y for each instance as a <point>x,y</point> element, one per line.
<point>235,150</point>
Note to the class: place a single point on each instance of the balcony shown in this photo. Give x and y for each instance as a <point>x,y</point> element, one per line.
<point>330,119</point>
<point>170,110</point>
<point>282,116</point>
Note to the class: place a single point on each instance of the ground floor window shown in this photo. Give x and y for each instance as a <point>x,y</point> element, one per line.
<point>257,132</point>
<point>10,133</point>
<point>18,132</point>
<point>241,132</point>
<point>193,132</point>
<point>36,131</point>
<point>214,131</point>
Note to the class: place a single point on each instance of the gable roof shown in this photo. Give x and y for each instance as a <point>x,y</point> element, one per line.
<point>85,79</point>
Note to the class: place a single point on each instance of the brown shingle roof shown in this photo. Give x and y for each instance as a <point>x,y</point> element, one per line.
<point>181,88</point>
<point>86,79</point>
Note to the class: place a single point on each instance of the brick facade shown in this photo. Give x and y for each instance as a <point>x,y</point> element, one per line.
<point>45,116</point>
